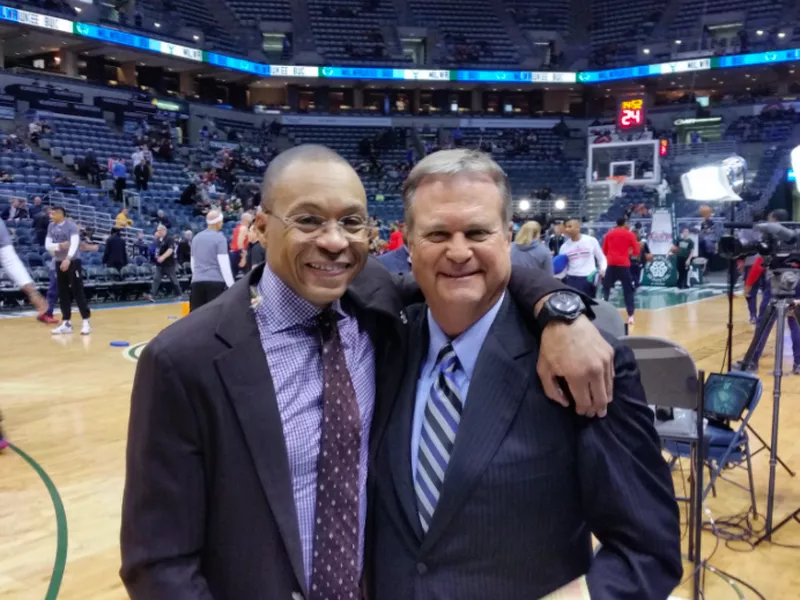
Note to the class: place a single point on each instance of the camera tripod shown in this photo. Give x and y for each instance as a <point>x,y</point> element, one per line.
<point>783,283</point>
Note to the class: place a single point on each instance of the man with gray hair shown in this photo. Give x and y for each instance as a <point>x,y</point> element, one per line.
<point>165,263</point>
<point>211,267</point>
<point>487,489</point>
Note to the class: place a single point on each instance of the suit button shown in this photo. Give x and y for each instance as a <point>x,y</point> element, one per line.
<point>422,568</point>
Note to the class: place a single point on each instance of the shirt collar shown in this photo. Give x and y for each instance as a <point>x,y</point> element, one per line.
<point>282,308</point>
<point>467,346</point>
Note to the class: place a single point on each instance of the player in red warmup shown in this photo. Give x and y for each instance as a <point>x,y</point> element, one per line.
<point>618,246</point>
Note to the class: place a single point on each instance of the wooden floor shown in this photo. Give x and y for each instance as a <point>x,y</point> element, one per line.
<point>65,403</point>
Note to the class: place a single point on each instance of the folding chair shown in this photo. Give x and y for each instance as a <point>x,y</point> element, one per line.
<point>726,447</point>
<point>671,380</point>
<point>608,320</point>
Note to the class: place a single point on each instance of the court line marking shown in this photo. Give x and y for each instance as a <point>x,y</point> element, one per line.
<point>60,562</point>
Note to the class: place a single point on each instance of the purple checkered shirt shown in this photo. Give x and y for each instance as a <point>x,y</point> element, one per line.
<point>292,346</point>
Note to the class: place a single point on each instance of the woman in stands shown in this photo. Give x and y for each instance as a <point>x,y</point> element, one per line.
<point>17,272</point>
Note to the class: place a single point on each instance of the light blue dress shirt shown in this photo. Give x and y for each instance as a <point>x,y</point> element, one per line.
<point>467,347</point>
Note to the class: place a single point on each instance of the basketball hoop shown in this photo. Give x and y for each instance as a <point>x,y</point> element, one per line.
<point>615,185</point>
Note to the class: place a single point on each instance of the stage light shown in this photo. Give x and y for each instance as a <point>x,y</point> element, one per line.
<point>795,157</point>
<point>524,205</point>
<point>716,182</point>
<point>559,204</point>
<point>646,50</point>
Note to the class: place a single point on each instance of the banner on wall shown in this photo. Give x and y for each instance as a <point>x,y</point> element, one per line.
<point>336,121</point>
<point>661,271</point>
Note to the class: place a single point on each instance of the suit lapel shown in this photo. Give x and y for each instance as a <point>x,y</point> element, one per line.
<point>398,436</point>
<point>246,377</point>
<point>497,387</point>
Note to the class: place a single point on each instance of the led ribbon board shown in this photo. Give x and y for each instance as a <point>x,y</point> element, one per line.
<point>114,36</point>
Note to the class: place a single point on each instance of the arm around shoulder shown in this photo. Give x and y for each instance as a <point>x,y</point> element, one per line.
<point>628,496</point>
<point>163,508</point>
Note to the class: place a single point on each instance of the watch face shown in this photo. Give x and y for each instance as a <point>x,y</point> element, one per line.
<point>566,303</point>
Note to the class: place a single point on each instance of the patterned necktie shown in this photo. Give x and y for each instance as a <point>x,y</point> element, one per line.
<point>442,415</point>
<point>335,566</point>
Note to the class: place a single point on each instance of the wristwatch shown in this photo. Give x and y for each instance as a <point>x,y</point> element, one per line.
<point>564,306</point>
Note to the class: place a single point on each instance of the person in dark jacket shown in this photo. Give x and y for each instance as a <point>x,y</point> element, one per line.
<point>528,250</point>
<point>114,255</point>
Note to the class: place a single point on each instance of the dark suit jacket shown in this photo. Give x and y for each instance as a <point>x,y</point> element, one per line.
<point>396,261</point>
<point>527,484</point>
<point>208,509</point>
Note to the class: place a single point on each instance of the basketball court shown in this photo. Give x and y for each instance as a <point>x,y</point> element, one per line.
<point>65,401</point>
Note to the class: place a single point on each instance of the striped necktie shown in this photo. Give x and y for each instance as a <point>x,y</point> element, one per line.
<point>442,415</point>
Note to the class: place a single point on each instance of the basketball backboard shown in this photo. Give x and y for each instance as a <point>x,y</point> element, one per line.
<point>637,161</point>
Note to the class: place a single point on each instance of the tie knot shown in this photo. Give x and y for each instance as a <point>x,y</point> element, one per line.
<point>326,322</point>
<point>447,360</point>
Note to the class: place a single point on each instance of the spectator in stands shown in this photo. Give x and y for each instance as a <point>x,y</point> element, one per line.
<point>65,184</point>
<point>165,263</point>
<point>239,243</point>
<point>255,251</point>
<point>184,250</point>
<point>115,254</point>
<point>6,177</point>
<point>557,238</point>
<point>15,211</point>
<point>37,207</point>
<point>119,172</point>
<point>35,131</point>
<point>162,219</point>
<point>395,238</point>
<point>140,247</point>
<point>528,250</point>
<point>123,220</point>
<point>141,174</point>
<point>40,224</point>
<point>91,167</point>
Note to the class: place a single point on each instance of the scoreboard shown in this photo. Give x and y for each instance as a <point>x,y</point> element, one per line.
<point>631,113</point>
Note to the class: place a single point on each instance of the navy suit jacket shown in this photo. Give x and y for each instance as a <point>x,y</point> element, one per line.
<point>396,261</point>
<point>528,483</point>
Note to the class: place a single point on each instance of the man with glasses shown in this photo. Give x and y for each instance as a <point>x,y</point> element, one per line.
<point>250,419</point>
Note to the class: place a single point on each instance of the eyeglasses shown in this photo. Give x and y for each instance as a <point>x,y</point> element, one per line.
<point>352,227</point>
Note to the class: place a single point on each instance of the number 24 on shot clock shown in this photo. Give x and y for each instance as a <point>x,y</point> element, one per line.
<point>631,113</point>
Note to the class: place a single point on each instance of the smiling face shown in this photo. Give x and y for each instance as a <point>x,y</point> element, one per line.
<point>459,246</point>
<point>317,267</point>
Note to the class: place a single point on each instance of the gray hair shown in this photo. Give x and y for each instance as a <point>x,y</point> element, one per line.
<point>459,161</point>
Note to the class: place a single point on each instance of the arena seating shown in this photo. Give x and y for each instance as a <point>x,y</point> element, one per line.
<point>758,13</point>
<point>618,27</point>
<point>351,30</point>
<point>541,15</point>
<point>252,12</point>
<point>470,34</point>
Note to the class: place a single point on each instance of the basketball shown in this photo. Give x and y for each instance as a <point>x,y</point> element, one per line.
<point>705,211</point>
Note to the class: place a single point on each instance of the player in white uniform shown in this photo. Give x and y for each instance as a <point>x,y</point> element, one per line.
<point>586,259</point>
<point>17,272</point>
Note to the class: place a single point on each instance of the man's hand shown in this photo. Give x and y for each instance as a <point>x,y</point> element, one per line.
<point>578,353</point>
<point>160,259</point>
<point>65,265</point>
<point>64,245</point>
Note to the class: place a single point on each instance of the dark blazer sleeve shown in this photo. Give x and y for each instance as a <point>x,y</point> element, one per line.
<point>527,286</point>
<point>163,505</point>
<point>628,497</point>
